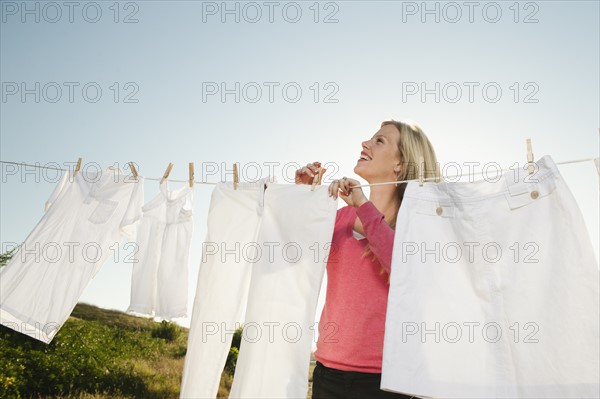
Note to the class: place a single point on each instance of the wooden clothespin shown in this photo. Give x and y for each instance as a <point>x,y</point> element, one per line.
<point>77,167</point>
<point>133,170</point>
<point>191,174</point>
<point>317,179</point>
<point>236,177</point>
<point>530,168</point>
<point>421,171</point>
<point>167,172</point>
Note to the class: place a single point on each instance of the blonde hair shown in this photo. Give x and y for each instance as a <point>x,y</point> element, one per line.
<point>413,143</point>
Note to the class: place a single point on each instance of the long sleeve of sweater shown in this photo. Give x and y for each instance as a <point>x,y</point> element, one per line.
<point>379,234</point>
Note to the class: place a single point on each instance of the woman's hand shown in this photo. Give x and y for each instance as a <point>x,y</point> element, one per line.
<point>351,194</point>
<point>307,174</point>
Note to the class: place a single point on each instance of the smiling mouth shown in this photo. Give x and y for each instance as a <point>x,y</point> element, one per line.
<point>364,158</point>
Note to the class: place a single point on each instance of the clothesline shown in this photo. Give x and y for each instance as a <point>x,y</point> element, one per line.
<point>477,173</point>
<point>65,170</point>
<point>595,160</point>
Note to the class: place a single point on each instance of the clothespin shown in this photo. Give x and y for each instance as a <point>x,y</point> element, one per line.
<point>77,167</point>
<point>167,172</point>
<point>133,170</point>
<point>421,174</point>
<point>236,178</point>
<point>317,179</point>
<point>530,168</point>
<point>191,174</point>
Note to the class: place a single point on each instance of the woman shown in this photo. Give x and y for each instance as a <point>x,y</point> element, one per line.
<point>351,329</point>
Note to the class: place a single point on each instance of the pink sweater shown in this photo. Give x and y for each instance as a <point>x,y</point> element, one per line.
<point>353,319</point>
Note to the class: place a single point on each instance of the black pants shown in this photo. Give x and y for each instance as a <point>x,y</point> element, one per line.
<point>333,383</point>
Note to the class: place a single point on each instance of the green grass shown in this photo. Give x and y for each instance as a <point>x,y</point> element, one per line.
<point>97,353</point>
<point>101,354</point>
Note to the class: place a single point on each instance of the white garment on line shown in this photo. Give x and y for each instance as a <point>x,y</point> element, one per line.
<point>84,216</point>
<point>159,282</point>
<point>222,288</point>
<point>294,238</point>
<point>494,291</point>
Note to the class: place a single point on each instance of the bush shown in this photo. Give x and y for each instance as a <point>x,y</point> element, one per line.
<point>80,358</point>
<point>7,256</point>
<point>232,357</point>
<point>166,330</point>
<point>234,351</point>
<point>237,338</point>
<point>89,357</point>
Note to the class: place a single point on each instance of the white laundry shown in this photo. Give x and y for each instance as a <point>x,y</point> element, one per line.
<point>84,216</point>
<point>262,266</point>
<point>222,288</point>
<point>294,240</point>
<point>159,283</point>
<point>494,291</point>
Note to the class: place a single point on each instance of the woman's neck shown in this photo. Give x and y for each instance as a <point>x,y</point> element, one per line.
<point>385,199</point>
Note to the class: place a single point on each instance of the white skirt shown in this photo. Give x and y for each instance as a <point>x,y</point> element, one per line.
<point>494,291</point>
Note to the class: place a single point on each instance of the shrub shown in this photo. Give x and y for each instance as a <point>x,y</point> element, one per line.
<point>232,357</point>
<point>89,357</point>
<point>166,330</point>
<point>6,256</point>
<point>237,338</point>
<point>234,351</point>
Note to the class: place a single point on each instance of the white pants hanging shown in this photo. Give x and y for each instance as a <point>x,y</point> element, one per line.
<point>222,289</point>
<point>494,291</point>
<point>294,238</point>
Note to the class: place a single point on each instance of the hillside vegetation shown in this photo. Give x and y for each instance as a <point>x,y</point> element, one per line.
<point>98,353</point>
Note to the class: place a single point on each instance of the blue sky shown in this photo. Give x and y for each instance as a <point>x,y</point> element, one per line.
<point>364,63</point>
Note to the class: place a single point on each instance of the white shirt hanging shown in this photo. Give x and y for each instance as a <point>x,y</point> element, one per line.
<point>159,284</point>
<point>84,216</point>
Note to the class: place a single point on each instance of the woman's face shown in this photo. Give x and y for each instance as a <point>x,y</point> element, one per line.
<point>380,158</point>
